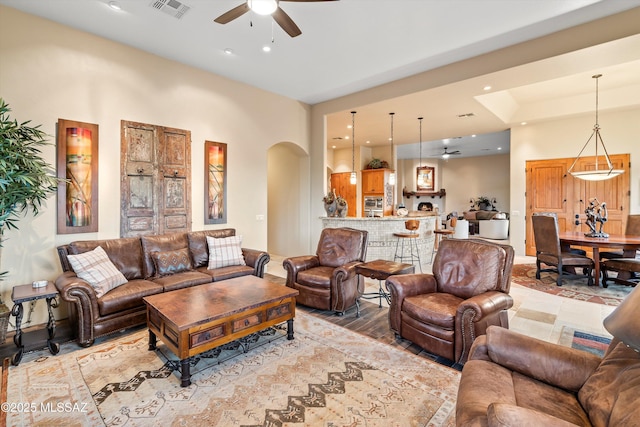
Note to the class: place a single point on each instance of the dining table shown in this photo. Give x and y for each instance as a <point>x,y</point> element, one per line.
<point>628,243</point>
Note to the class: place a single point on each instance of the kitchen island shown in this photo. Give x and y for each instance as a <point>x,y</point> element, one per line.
<point>382,242</point>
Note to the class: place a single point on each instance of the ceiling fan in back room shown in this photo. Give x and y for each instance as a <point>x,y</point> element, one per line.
<point>265,7</point>
<point>446,154</point>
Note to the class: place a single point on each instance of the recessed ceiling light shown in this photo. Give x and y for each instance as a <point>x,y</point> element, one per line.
<point>348,126</point>
<point>266,48</point>
<point>499,148</point>
<point>368,142</point>
<point>523,123</point>
<point>333,146</point>
<point>346,137</point>
<point>487,87</point>
<point>115,5</point>
<point>473,136</point>
<point>228,51</point>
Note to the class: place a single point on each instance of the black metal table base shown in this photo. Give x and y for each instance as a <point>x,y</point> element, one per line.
<point>18,312</point>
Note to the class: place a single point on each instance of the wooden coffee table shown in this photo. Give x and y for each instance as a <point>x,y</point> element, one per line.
<point>193,320</point>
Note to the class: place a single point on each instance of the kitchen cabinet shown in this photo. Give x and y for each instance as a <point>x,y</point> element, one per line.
<point>375,182</point>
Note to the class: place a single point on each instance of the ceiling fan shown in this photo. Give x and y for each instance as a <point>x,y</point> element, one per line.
<point>265,7</point>
<point>446,153</point>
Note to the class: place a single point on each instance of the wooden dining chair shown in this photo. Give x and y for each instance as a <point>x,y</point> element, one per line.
<point>632,229</point>
<point>548,251</point>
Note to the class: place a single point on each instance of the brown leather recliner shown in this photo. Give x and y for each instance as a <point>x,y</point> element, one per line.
<point>468,291</point>
<point>515,380</point>
<point>328,279</point>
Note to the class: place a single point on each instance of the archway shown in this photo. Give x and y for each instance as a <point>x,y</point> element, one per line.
<point>288,210</point>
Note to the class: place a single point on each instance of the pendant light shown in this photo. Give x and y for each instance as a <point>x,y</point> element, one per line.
<point>353,179</point>
<point>596,174</point>
<point>420,177</point>
<point>392,176</point>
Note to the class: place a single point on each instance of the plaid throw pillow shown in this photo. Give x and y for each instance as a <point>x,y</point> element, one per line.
<point>96,268</point>
<point>171,262</point>
<point>225,251</point>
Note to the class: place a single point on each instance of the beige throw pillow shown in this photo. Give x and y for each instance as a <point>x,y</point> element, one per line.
<point>96,268</point>
<point>225,251</point>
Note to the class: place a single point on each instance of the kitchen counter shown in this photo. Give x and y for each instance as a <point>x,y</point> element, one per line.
<point>382,242</point>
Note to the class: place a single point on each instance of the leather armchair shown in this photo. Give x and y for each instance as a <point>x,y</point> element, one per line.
<point>515,380</point>
<point>328,279</point>
<point>468,291</point>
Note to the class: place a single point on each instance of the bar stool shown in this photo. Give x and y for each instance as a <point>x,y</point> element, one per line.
<point>443,234</point>
<point>414,255</point>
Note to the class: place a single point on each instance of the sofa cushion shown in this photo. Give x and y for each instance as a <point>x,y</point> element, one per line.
<point>434,309</point>
<point>484,215</point>
<point>127,296</point>
<point>181,280</point>
<point>199,247</point>
<point>96,268</point>
<point>610,395</point>
<point>225,251</point>
<point>229,272</point>
<point>171,262</point>
<point>160,243</point>
<point>125,253</point>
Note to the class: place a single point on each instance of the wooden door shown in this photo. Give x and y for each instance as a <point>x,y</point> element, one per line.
<point>139,168</point>
<point>614,192</point>
<point>550,188</point>
<point>340,183</point>
<point>156,183</point>
<point>174,213</point>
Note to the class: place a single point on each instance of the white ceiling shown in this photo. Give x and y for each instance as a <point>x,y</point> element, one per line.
<point>351,45</point>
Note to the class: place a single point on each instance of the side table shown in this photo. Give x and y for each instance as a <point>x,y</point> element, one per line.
<point>26,293</point>
<point>380,269</point>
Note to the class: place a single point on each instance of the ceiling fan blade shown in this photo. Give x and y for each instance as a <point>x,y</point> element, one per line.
<point>234,13</point>
<point>286,22</point>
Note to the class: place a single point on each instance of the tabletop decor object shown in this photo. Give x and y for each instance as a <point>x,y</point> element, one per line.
<point>596,213</point>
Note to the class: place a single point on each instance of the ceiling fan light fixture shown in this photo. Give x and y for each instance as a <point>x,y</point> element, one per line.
<point>263,7</point>
<point>596,174</point>
<point>446,156</point>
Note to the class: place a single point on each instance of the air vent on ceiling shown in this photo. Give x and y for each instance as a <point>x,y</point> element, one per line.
<point>171,7</point>
<point>465,116</point>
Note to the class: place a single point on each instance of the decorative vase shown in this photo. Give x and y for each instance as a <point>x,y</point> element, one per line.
<point>331,208</point>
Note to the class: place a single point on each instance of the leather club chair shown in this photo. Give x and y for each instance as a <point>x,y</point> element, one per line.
<point>515,380</point>
<point>328,279</point>
<point>468,291</point>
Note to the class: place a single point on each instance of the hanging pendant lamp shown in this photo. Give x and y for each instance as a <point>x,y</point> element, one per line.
<point>420,177</point>
<point>353,179</point>
<point>392,175</point>
<point>596,174</point>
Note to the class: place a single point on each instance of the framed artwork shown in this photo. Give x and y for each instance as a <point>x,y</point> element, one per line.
<point>426,178</point>
<point>77,145</point>
<point>215,190</point>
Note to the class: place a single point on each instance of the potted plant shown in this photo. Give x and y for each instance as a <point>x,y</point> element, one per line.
<point>483,203</point>
<point>26,180</point>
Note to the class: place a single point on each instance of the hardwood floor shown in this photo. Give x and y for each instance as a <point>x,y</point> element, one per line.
<point>373,322</point>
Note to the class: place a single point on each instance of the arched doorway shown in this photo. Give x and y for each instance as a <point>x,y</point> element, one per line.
<point>288,210</point>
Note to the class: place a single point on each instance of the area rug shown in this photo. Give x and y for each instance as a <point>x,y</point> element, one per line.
<point>326,376</point>
<point>593,343</point>
<point>525,275</point>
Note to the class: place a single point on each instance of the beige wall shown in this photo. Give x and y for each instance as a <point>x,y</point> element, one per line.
<point>49,71</point>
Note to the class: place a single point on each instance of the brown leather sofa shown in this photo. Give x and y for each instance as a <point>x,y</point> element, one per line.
<point>515,380</point>
<point>328,279</point>
<point>468,291</point>
<point>123,307</point>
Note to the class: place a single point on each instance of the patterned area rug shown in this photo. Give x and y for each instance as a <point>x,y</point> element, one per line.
<point>585,341</point>
<point>326,376</point>
<point>525,275</point>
